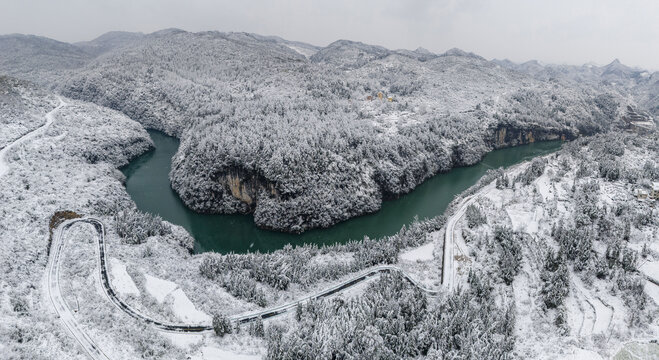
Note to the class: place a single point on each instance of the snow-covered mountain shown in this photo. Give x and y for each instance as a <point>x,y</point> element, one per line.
<point>641,84</point>
<point>550,256</point>
<point>314,136</point>
<point>109,41</point>
<point>39,59</point>
<point>346,54</point>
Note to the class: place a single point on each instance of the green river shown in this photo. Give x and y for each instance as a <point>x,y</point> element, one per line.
<point>147,182</point>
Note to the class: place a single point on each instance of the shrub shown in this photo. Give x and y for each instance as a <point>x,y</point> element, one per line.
<point>256,328</point>
<point>58,218</point>
<point>533,171</point>
<point>134,226</point>
<point>475,217</point>
<point>609,169</point>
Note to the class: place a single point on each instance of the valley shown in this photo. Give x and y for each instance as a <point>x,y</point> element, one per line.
<point>148,184</point>
<point>213,195</point>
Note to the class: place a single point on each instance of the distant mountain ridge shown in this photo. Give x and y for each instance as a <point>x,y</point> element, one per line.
<point>642,84</point>
<point>345,54</point>
<point>109,41</point>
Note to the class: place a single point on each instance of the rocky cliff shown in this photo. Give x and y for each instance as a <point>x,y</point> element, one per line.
<point>507,136</point>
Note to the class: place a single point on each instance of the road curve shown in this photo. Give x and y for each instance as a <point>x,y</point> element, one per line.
<point>52,275</point>
<point>195,328</point>
<point>4,166</point>
<point>59,304</point>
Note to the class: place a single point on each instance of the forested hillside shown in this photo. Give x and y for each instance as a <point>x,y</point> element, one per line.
<point>306,137</point>
<point>39,59</point>
<point>69,165</point>
<point>22,106</point>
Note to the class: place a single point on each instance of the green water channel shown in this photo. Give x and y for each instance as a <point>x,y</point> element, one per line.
<point>147,182</point>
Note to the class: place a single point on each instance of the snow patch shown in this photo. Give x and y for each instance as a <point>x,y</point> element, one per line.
<point>543,184</point>
<point>582,354</point>
<point>159,288</point>
<point>523,219</point>
<point>213,353</point>
<point>650,269</point>
<point>183,340</point>
<point>185,309</point>
<point>421,253</point>
<point>180,304</point>
<point>302,51</point>
<point>653,291</point>
<point>121,280</point>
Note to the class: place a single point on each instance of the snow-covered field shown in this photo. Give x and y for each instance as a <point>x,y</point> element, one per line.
<point>421,253</point>
<point>167,291</point>
<point>121,280</point>
<point>213,353</point>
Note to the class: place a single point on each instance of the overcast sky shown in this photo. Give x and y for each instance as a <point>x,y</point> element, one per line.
<point>555,31</point>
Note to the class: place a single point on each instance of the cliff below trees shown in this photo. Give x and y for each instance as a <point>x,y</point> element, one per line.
<point>507,136</point>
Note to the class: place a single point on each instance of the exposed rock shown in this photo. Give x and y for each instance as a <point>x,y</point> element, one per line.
<point>507,136</point>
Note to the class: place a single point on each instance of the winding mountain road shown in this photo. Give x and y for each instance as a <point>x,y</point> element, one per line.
<point>54,293</point>
<point>4,165</point>
<point>61,307</point>
<point>66,315</point>
<point>69,321</point>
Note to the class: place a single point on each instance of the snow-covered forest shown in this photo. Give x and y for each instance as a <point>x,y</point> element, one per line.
<point>557,256</point>
<point>296,140</point>
<point>561,247</point>
<point>21,114</point>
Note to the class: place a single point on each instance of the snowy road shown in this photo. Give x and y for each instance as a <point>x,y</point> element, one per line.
<point>448,264</point>
<point>4,166</point>
<point>52,276</point>
<point>61,307</point>
<point>94,351</point>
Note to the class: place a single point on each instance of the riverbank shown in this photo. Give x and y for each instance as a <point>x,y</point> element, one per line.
<point>147,181</point>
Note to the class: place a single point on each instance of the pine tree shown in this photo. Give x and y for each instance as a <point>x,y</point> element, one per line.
<point>256,328</point>
<point>555,280</point>
<point>298,312</point>
<point>222,325</point>
<point>510,253</point>
<point>475,217</point>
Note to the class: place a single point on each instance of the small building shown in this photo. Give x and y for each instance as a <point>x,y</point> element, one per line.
<point>380,95</point>
<point>369,98</point>
<point>390,99</point>
<point>641,194</point>
<point>654,194</point>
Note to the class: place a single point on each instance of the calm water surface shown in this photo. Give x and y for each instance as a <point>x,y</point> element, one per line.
<point>147,182</point>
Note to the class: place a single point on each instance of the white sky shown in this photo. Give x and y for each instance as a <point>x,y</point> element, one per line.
<point>555,31</point>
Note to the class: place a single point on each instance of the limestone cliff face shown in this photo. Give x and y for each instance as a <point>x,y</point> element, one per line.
<point>509,135</point>
<point>247,187</point>
<point>238,190</point>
